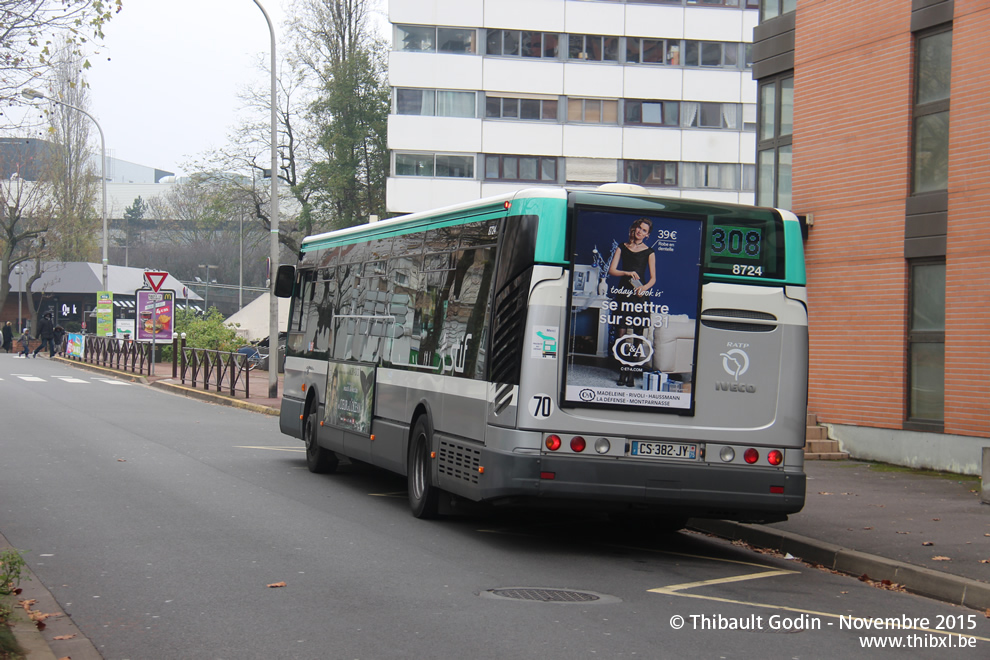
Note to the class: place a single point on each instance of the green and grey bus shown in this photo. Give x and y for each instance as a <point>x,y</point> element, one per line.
<point>608,349</point>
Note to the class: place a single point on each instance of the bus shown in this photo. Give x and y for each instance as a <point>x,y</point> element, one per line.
<point>607,349</point>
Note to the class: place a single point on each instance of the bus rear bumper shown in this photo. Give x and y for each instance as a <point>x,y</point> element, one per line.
<point>743,493</point>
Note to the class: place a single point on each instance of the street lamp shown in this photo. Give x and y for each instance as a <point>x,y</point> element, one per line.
<point>32,95</point>
<point>273,301</point>
<point>19,271</point>
<point>206,301</point>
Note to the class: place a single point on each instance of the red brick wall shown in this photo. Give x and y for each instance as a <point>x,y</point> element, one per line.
<point>967,262</point>
<point>852,124</point>
<point>852,136</point>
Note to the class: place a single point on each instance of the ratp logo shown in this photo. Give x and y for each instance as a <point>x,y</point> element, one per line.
<point>735,362</point>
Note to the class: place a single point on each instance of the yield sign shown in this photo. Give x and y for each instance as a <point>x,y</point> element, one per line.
<point>155,279</point>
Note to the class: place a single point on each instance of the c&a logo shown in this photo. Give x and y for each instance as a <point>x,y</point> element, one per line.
<point>632,350</point>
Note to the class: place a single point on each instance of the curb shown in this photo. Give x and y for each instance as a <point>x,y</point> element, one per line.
<point>175,388</point>
<point>211,397</point>
<point>916,579</point>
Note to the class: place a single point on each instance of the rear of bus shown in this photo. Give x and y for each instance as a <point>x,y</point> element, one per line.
<point>686,400</point>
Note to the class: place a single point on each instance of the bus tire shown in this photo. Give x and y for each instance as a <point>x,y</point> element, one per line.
<point>424,497</point>
<point>318,459</point>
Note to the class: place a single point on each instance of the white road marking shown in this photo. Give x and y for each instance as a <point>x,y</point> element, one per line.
<point>70,379</point>
<point>111,381</point>
<point>33,379</point>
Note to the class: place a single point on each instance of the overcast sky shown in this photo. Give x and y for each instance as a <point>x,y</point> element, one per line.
<point>164,85</point>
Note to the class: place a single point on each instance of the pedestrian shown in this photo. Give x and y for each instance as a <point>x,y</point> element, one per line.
<point>8,337</point>
<point>46,333</point>
<point>25,340</point>
<point>58,335</point>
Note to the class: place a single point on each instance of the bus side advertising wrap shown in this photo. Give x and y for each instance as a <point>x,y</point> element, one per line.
<point>634,310</point>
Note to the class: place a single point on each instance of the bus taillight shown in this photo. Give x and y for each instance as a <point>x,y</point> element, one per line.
<point>775,457</point>
<point>578,444</point>
<point>553,442</point>
<point>751,455</point>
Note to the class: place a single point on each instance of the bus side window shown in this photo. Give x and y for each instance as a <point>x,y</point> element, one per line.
<point>468,311</point>
<point>300,302</point>
<point>401,292</point>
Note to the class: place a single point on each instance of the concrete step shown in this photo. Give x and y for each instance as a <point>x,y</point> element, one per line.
<point>826,456</point>
<point>812,419</point>
<point>821,446</point>
<point>816,433</point>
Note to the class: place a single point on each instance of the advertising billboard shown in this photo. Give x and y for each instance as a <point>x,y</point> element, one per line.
<point>635,295</point>
<point>155,314</point>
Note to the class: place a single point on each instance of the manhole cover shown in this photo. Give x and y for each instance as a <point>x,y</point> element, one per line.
<point>544,595</point>
<point>550,595</point>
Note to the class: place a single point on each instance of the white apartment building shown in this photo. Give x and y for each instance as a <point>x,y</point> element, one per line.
<point>490,96</point>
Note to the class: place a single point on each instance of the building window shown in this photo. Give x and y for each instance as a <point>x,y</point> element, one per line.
<point>710,115</point>
<point>521,168</point>
<point>651,113</point>
<point>652,51</point>
<point>522,43</point>
<point>435,103</point>
<point>434,165</point>
<point>498,107</point>
<point>926,343</point>
<point>593,111</point>
<point>712,54</point>
<point>720,176</point>
<point>931,111</point>
<point>774,8</point>
<point>595,48</point>
<point>429,39</point>
<point>775,126</point>
<point>651,173</point>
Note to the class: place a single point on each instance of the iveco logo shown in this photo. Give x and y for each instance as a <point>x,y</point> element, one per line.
<point>722,386</point>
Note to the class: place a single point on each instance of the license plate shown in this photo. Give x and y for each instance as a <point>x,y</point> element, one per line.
<point>673,450</point>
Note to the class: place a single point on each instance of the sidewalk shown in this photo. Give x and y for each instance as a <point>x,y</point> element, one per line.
<point>926,533</point>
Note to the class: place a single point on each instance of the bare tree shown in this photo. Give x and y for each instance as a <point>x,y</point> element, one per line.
<point>200,222</point>
<point>25,218</point>
<point>73,176</point>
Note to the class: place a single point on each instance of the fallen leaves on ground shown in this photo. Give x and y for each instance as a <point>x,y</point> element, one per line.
<point>927,543</point>
<point>886,585</point>
<point>61,637</point>
<point>940,558</point>
<point>35,615</point>
<point>276,585</point>
<point>822,492</point>
<point>985,561</point>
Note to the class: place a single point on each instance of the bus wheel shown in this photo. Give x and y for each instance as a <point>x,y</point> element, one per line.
<point>423,496</point>
<point>318,459</point>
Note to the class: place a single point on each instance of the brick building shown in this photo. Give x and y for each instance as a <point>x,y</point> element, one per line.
<point>873,123</point>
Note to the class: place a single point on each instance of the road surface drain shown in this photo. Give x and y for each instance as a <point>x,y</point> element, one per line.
<point>549,595</point>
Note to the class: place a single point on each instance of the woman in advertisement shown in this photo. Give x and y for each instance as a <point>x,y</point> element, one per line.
<point>635,264</point>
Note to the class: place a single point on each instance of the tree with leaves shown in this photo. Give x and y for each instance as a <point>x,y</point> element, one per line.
<point>133,215</point>
<point>29,28</point>
<point>336,42</point>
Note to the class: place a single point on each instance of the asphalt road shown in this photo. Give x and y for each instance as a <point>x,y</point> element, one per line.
<point>158,522</point>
